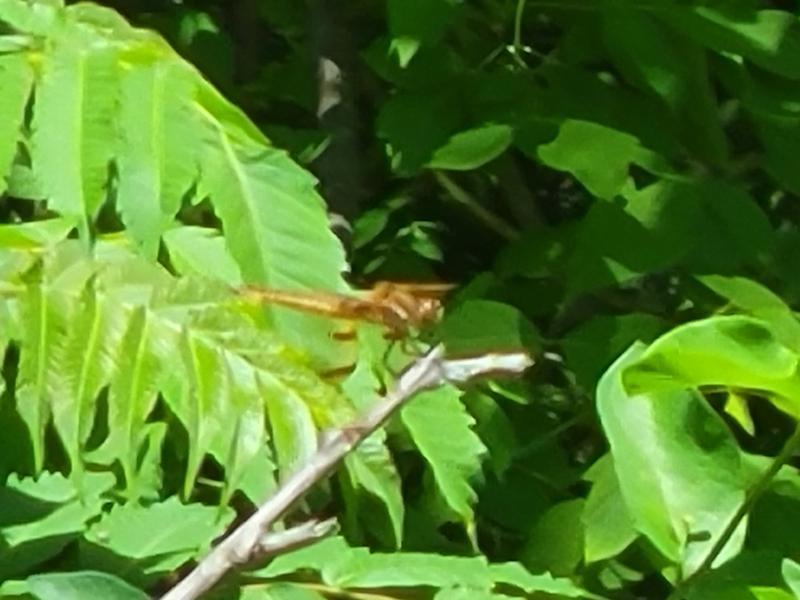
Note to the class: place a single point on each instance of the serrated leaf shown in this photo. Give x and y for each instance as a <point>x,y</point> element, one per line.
<point>272,217</point>
<point>372,469</point>
<point>73,126</point>
<point>241,443</point>
<point>513,573</point>
<point>291,424</point>
<point>472,148</point>
<point>81,585</point>
<point>206,396</point>
<point>41,516</point>
<point>192,249</point>
<point>133,389</point>
<point>157,155</point>
<point>159,530</point>
<point>412,570</point>
<point>16,79</point>
<point>323,557</point>
<point>86,357</point>
<point>662,443</point>
<point>455,458</point>
<point>44,325</point>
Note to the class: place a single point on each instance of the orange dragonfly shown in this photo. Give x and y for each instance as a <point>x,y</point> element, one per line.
<point>399,307</point>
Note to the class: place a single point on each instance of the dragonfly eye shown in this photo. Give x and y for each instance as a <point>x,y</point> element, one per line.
<point>429,309</point>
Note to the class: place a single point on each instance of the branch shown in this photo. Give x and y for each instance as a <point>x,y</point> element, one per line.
<point>480,212</point>
<point>245,543</point>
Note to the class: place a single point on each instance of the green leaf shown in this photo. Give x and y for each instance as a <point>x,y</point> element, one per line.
<point>758,301</point>
<point>765,593</point>
<point>455,458</point>
<point>472,148</point>
<point>736,351</point>
<point>16,79</point>
<point>424,21</point>
<point>192,249</point>
<point>293,432</point>
<point>326,557</point>
<point>708,223</point>
<point>598,156</point>
<point>739,577</point>
<point>607,525</point>
<point>413,570</point>
<point>662,62</point>
<point>479,326</point>
<point>133,389</point>
<point>279,591</point>
<point>555,544</point>
<point>791,573</point>
<point>41,516</point>
<point>44,325</point>
<point>73,126</point>
<point>494,428</point>
<point>515,574</point>
<point>276,228</point>
<point>736,407</point>
<point>412,134</point>
<point>591,347</point>
<point>778,135</point>
<point>160,537</point>
<point>372,469</point>
<point>37,18</point>
<point>663,442</point>
<point>81,585</point>
<point>157,153</point>
<point>85,361</point>
<point>769,38</point>
<point>34,235</point>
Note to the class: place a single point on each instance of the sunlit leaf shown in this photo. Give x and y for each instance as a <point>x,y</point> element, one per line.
<point>80,585</point>
<point>74,133</point>
<point>16,79</point>
<point>455,458</point>
<point>157,157</point>
<point>662,443</point>
<point>738,352</point>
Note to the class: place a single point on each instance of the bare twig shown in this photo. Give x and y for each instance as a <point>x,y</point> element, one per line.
<point>248,542</point>
<point>308,532</point>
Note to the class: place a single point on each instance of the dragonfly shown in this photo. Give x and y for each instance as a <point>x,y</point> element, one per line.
<point>400,308</point>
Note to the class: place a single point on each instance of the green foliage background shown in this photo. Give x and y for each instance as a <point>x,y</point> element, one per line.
<point>612,184</point>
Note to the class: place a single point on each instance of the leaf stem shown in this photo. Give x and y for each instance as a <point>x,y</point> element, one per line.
<point>516,44</point>
<point>753,494</point>
<point>463,197</point>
